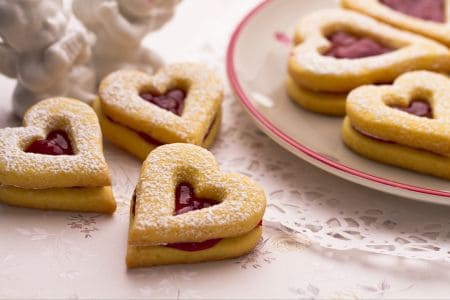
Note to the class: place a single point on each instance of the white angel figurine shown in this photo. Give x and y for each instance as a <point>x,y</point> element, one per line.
<point>119,27</point>
<point>44,53</point>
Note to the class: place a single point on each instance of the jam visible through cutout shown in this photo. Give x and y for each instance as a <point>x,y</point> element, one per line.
<point>56,143</point>
<point>185,201</point>
<point>346,45</point>
<point>418,108</point>
<point>429,10</point>
<point>172,101</point>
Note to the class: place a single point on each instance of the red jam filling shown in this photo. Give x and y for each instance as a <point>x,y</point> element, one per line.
<point>418,108</point>
<point>56,143</point>
<point>429,10</point>
<point>185,201</point>
<point>172,101</point>
<point>210,128</point>
<point>345,45</point>
<point>153,141</point>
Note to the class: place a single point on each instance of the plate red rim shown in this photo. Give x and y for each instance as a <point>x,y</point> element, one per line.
<point>231,71</point>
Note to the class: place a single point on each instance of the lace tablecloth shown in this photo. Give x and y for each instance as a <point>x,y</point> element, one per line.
<point>324,237</point>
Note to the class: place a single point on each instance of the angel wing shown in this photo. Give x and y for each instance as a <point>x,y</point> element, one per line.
<point>8,59</point>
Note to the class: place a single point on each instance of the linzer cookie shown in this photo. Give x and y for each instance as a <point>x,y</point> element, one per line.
<point>426,17</point>
<point>56,160</point>
<point>336,51</point>
<point>406,124</point>
<point>185,210</point>
<point>181,103</point>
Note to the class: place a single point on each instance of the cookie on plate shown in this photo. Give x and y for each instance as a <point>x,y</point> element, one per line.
<point>405,124</point>
<point>336,51</point>
<point>425,17</point>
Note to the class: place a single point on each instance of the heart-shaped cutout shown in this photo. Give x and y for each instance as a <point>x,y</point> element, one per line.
<point>346,45</point>
<point>57,153</point>
<point>223,211</point>
<point>310,68</point>
<point>56,143</point>
<point>120,96</point>
<point>418,108</point>
<point>173,100</point>
<point>426,17</point>
<point>405,124</point>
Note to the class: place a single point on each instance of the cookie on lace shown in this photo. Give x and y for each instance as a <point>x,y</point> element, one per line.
<point>56,160</point>
<point>186,210</point>
<point>181,103</point>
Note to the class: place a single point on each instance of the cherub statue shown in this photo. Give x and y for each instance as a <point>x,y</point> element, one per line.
<point>44,52</point>
<point>119,27</point>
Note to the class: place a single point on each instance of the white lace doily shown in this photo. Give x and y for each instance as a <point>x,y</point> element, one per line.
<point>310,215</point>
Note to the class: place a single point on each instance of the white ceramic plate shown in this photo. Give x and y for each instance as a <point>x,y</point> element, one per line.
<point>256,63</point>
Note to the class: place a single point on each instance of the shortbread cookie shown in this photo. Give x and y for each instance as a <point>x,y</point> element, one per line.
<point>181,103</point>
<point>405,125</point>
<point>332,104</point>
<point>56,160</point>
<point>140,144</point>
<point>185,210</point>
<point>427,17</point>
<point>400,51</point>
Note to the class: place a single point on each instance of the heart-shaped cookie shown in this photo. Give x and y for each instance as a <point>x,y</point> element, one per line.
<point>385,52</point>
<point>406,124</point>
<point>57,152</point>
<point>427,17</point>
<point>163,231</point>
<point>181,103</point>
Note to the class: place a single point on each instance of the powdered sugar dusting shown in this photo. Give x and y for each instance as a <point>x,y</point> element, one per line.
<point>313,70</point>
<point>368,109</point>
<point>242,201</point>
<point>119,93</point>
<point>86,168</point>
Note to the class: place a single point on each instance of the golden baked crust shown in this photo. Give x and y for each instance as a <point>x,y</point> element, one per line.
<point>159,255</point>
<point>86,168</point>
<point>241,207</point>
<point>395,154</point>
<point>120,101</point>
<point>332,104</point>
<point>132,142</point>
<point>368,109</point>
<point>314,71</point>
<point>375,9</point>
<point>91,199</point>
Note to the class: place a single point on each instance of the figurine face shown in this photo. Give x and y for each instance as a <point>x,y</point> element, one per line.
<point>31,24</point>
<point>146,8</point>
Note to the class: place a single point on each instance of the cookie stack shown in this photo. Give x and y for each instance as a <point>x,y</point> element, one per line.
<point>184,209</point>
<point>336,51</point>
<point>378,64</point>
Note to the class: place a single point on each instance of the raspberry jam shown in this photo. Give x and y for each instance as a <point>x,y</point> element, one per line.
<point>172,101</point>
<point>429,10</point>
<point>346,45</point>
<point>418,108</point>
<point>185,201</point>
<point>56,143</point>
